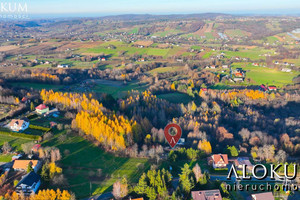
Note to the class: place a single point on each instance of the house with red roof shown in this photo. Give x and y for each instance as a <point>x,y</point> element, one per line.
<point>25,100</point>
<point>263,87</point>
<point>36,147</point>
<point>207,195</point>
<point>42,109</point>
<point>18,124</point>
<point>218,160</point>
<point>262,196</point>
<point>272,88</point>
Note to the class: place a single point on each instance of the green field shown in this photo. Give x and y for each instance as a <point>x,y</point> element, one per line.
<point>176,97</point>
<point>235,33</point>
<point>167,33</point>
<point>37,86</point>
<point>15,142</point>
<point>253,54</point>
<point>116,88</point>
<point>5,157</point>
<point>129,49</point>
<point>84,160</point>
<point>164,70</point>
<point>264,75</point>
<point>271,39</point>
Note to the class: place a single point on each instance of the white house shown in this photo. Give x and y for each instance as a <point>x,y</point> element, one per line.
<point>18,124</point>
<point>286,70</point>
<point>218,160</point>
<point>63,66</point>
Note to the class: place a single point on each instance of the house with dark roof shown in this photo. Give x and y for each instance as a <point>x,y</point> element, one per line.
<point>218,160</point>
<point>240,161</point>
<point>207,195</point>
<point>29,184</point>
<point>263,196</point>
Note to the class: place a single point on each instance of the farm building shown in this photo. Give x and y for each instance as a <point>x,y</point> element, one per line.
<point>19,124</point>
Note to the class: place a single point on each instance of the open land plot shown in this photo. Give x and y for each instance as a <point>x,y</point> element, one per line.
<point>253,54</point>
<point>264,75</point>
<point>84,163</point>
<point>164,70</point>
<point>37,86</point>
<point>236,33</point>
<point>116,88</point>
<point>5,109</point>
<point>14,141</point>
<point>176,97</point>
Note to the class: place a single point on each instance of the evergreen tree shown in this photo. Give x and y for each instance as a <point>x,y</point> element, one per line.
<point>186,181</point>
<point>32,108</point>
<point>29,168</point>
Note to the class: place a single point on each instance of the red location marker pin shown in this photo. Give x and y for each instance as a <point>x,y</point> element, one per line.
<point>172,134</point>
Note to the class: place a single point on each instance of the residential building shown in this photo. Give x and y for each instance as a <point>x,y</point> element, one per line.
<point>18,124</point>
<point>207,195</point>
<point>29,184</point>
<point>263,196</point>
<point>63,66</point>
<point>22,165</point>
<point>218,160</point>
<point>42,109</point>
<point>272,88</point>
<point>240,161</point>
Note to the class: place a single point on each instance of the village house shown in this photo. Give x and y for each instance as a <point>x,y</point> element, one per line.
<point>22,165</point>
<point>240,161</point>
<point>29,184</point>
<point>225,66</point>
<point>206,195</point>
<point>262,196</point>
<point>25,100</point>
<point>272,88</point>
<point>19,124</point>
<point>218,160</point>
<point>63,66</point>
<point>42,109</point>
<point>286,70</point>
<point>263,88</point>
<point>36,148</point>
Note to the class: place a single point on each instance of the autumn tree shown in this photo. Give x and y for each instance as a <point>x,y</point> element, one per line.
<point>120,189</point>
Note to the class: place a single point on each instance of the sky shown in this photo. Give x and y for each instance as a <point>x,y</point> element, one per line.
<point>110,7</point>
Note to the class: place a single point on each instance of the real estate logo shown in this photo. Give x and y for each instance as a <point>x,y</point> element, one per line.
<point>13,10</point>
<point>271,178</point>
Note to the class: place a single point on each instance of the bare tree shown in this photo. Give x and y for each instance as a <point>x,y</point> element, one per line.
<point>197,172</point>
<point>6,147</point>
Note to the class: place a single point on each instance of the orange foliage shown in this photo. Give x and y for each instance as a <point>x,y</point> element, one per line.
<point>107,128</point>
